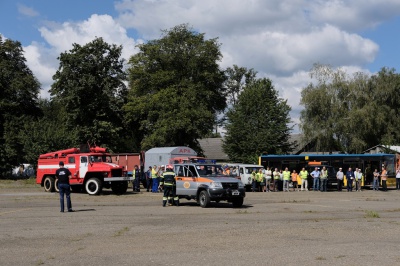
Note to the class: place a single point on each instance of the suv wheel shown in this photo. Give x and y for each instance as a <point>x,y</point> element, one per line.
<point>204,199</point>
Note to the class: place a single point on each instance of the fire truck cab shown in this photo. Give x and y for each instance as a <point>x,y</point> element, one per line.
<point>91,170</point>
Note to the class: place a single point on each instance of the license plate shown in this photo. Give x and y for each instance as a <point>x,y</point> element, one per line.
<point>235,193</point>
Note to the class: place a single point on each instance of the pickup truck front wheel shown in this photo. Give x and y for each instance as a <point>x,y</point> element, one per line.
<point>93,186</point>
<point>204,199</point>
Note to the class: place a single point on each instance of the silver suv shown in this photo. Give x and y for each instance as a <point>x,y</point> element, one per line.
<point>206,183</point>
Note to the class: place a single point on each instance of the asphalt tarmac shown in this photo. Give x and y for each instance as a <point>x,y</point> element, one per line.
<point>279,228</point>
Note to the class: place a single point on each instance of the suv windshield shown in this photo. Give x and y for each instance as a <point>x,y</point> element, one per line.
<point>213,169</point>
<point>202,170</point>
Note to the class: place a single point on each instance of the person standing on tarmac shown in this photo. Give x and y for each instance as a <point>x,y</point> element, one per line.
<point>383,179</point>
<point>169,184</point>
<point>286,179</point>
<point>294,177</point>
<point>304,181</point>
<point>63,175</point>
<point>316,175</point>
<point>375,184</point>
<point>260,180</point>
<point>324,179</point>
<point>136,181</point>
<point>358,178</point>
<point>154,179</point>
<point>276,176</point>
<point>339,177</point>
<point>268,178</point>
<point>349,178</point>
<point>148,179</point>
<point>254,180</point>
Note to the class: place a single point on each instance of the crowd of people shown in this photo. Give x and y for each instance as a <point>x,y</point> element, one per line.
<point>150,179</point>
<point>270,180</point>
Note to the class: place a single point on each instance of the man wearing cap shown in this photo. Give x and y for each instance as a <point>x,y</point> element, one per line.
<point>339,176</point>
<point>358,178</point>
<point>63,175</point>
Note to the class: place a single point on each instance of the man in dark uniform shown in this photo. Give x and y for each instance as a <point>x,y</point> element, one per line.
<point>63,175</point>
<point>136,182</point>
<point>169,183</point>
<point>349,178</point>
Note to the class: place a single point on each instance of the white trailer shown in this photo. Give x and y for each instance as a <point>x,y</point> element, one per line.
<point>162,155</point>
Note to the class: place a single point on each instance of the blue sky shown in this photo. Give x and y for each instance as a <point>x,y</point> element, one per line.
<point>387,36</point>
<point>280,39</point>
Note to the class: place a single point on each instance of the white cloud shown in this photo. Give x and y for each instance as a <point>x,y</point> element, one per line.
<point>42,59</point>
<point>62,36</point>
<point>43,63</point>
<point>27,11</point>
<point>354,15</point>
<point>280,53</point>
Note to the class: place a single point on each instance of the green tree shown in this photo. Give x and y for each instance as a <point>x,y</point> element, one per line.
<point>237,80</point>
<point>90,85</point>
<point>350,113</point>
<point>257,123</point>
<point>46,133</point>
<point>19,90</point>
<point>324,103</point>
<point>382,108</point>
<point>175,89</point>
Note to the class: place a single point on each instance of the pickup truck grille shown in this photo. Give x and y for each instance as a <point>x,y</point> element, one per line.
<point>234,185</point>
<point>116,172</point>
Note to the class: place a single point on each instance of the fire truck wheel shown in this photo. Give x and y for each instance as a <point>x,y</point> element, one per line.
<point>93,186</point>
<point>119,188</point>
<point>237,203</point>
<point>56,185</point>
<point>204,199</point>
<point>48,184</point>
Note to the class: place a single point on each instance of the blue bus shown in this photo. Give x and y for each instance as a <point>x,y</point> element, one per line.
<point>367,162</point>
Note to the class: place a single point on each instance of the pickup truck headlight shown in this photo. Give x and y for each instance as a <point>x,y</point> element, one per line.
<point>215,185</point>
<point>241,185</point>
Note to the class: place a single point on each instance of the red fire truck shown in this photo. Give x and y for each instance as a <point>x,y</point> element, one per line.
<point>92,169</point>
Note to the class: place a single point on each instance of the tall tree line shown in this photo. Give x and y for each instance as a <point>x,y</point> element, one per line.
<point>170,93</point>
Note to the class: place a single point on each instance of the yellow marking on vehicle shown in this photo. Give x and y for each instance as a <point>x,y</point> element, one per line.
<point>193,179</point>
<point>186,185</point>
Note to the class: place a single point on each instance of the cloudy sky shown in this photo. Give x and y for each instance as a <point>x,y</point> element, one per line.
<point>280,39</point>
